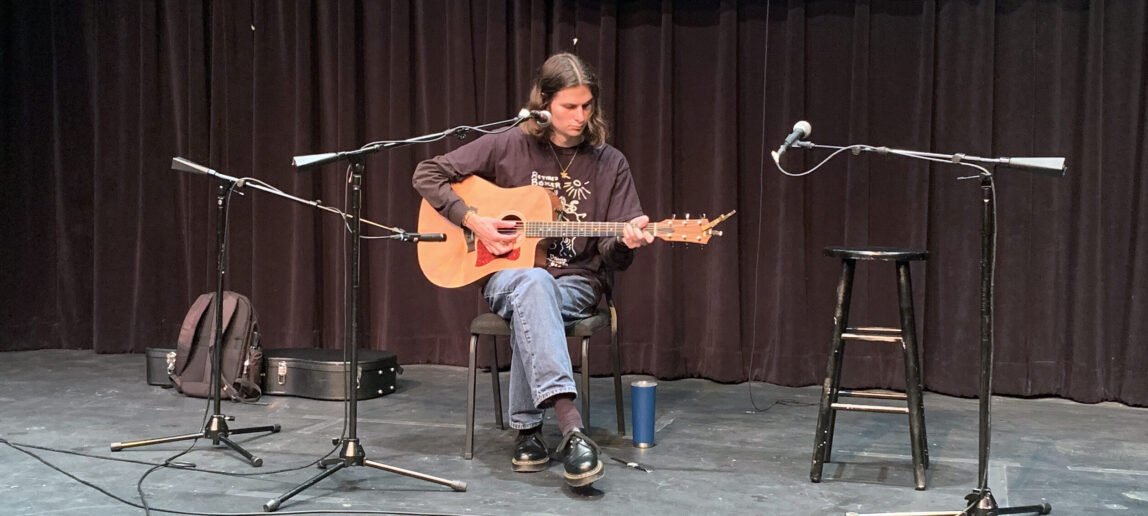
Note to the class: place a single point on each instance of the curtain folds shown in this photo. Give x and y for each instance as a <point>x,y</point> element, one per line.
<point>105,246</point>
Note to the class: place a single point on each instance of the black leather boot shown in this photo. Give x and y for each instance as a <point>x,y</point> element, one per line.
<point>579,456</point>
<point>530,453</point>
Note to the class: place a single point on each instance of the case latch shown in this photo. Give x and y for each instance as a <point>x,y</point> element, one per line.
<point>170,362</point>
<point>282,371</point>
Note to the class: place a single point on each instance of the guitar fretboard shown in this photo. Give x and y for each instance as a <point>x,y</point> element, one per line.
<point>580,229</point>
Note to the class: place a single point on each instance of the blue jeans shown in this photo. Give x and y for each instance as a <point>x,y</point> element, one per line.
<point>538,306</point>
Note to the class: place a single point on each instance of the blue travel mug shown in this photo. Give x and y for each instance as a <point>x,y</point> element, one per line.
<point>642,408</point>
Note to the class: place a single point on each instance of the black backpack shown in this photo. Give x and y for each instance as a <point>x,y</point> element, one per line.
<point>242,354</point>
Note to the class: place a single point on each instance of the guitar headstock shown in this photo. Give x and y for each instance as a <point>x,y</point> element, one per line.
<point>690,231</point>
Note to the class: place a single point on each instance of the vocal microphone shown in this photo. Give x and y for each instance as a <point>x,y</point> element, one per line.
<point>540,116</point>
<point>186,165</point>
<point>801,131</point>
<point>1046,166</point>
<point>421,237</point>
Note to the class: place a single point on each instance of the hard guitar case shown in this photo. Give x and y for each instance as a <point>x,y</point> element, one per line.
<point>160,364</point>
<point>319,373</point>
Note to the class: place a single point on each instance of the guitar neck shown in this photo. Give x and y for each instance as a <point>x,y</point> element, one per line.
<point>558,229</point>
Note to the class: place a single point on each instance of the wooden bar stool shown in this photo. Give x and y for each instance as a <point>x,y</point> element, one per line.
<point>906,335</point>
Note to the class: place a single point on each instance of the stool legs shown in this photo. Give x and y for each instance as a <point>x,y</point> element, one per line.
<point>584,391</point>
<point>618,403</point>
<point>468,447</point>
<point>825,415</point>
<point>494,383</point>
<point>831,389</point>
<point>586,382</point>
<point>471,381</point>
<point>912,376</point>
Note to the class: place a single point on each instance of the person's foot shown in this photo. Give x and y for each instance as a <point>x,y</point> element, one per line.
<point>530,452</point>
<point>579,456</point>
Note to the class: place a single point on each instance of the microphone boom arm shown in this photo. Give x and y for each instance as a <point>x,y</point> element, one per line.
<point>188,166</point>
<point>1045,166</point>
<point>315,160</point>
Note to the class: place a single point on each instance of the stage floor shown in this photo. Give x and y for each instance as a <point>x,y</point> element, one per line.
<point>715,453</point>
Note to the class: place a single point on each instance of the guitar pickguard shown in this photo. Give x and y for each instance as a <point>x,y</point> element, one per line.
<point>484,256</point>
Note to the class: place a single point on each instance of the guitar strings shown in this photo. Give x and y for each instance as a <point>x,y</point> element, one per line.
<point>557,229</point>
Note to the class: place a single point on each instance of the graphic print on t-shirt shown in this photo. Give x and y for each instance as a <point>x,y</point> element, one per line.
<point>571,193</point>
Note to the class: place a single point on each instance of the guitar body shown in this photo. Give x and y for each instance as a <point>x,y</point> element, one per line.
<point>461,260</point>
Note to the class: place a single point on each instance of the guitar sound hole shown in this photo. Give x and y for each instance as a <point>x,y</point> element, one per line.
<point>510,231</point>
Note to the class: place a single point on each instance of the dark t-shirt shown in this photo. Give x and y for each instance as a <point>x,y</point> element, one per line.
<point>596,187</point>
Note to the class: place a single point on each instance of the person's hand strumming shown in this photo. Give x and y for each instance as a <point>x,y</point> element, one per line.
<point>486,229</point>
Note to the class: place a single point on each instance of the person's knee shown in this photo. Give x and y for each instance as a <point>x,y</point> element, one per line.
<point>538,280</point>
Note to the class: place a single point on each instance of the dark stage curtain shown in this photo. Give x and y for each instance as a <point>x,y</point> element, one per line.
<point>105,247</point>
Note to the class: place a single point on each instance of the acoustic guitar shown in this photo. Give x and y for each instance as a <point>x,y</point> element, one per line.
<point>462,259</point>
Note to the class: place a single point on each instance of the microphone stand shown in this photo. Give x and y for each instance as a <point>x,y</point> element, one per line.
<point>980,500</point>
<point>350,452</point>
<point>216,428</point>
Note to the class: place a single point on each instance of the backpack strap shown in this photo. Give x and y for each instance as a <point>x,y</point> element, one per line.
<point>187,331</point>
<point>230,302</point>
<point>243,390</point>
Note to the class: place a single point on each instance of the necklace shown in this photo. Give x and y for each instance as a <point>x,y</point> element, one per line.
<point>567,167</point>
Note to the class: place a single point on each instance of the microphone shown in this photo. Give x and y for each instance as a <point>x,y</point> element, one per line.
<point>1046,166</point>
<point>541,116</point>
<point>420,237</point>
<point>801,130</point>
<point>314,160</point>
<point>185,165</point>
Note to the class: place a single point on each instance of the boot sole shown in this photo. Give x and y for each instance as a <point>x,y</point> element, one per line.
<point>587,478</point>
<point>532,466</point>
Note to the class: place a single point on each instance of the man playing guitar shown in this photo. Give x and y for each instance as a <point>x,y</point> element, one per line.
<point>592,181</point>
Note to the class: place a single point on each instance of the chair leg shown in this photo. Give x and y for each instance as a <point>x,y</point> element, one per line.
<point>912,374</point>
<point>586,382</point>
<point>468,447</point>
<point>823,438</point>
<point>494,382</point>
<point>619,403</point>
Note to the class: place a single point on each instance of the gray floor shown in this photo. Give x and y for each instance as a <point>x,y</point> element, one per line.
<point>715,454</point>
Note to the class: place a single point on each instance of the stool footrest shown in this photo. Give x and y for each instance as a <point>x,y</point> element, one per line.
<point>869,408</point>
<point>879,395</point>
<point>873,334</point>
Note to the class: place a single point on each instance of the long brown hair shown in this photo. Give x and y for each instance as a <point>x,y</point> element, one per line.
<point>559,72</point>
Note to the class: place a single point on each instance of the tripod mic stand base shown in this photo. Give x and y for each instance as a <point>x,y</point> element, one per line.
<point>351,454</point>
<point>216,431</point>
<point>981,503</point>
